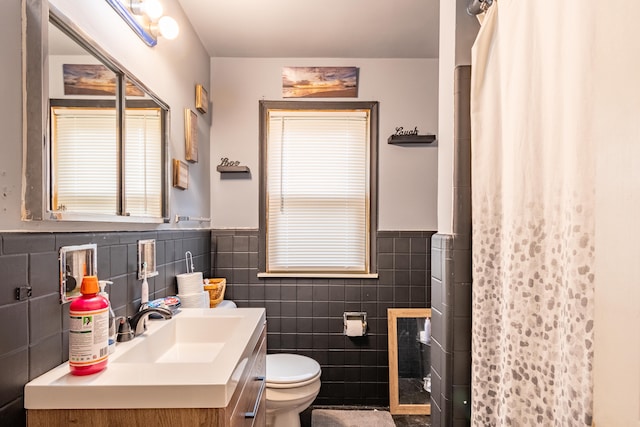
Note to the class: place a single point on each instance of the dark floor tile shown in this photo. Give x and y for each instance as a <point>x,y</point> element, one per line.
<point>412,420</point>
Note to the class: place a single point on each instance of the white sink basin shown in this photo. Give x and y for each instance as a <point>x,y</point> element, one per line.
<point>193,360</point>
<point>184,340</point>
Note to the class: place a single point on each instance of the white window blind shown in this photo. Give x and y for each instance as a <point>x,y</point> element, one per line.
<point>84,162</point>
<point>143,162</point>
<point>318,191</point>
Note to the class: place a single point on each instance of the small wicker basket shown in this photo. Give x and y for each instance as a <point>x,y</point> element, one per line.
<point>216,288</point>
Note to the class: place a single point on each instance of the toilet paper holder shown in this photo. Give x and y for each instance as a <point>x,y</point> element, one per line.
<point>349,317</point>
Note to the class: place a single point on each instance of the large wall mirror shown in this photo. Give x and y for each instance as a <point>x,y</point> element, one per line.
<point>409,335</point>
<point>105,156</point>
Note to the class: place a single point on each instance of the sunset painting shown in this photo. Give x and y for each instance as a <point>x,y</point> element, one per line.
<point>93,79</point>
<point>320,82</point>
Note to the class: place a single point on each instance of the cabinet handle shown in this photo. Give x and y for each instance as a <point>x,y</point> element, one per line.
<point>253,413</point>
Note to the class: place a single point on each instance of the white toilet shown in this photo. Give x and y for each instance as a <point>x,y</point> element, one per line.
<point>293,382</point>
<point>226,304</point>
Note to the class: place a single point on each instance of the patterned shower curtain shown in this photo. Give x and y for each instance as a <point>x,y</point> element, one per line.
<point>533,177</point>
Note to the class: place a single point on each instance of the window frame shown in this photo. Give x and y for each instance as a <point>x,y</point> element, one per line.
<point>372,107</point>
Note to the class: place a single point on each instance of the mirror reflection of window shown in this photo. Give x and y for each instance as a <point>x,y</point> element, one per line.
<point>85,169</point>
<point>102,163</point>
<point>143,154</point>
<point>84,162</point>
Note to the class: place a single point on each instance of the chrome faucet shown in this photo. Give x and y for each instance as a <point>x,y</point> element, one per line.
<point>132,326</point>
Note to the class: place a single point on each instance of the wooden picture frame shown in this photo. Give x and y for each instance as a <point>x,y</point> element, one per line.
<point>180,174</point>
<point>202,99</point>
<point>191,135</point>
<point>414,317</point>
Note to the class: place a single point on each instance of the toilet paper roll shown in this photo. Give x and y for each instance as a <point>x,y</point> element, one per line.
<point>194,300</point>
<point>354,328</point>
<point>190,283</point>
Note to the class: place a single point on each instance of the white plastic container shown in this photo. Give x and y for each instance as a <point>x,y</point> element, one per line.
<point>112,316</point>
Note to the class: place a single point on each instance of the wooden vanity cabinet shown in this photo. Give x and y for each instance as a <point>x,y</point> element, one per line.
<point>249,395</point>
<point>247,406</point>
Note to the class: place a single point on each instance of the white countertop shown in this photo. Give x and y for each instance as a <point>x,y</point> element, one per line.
<point>197,374</point>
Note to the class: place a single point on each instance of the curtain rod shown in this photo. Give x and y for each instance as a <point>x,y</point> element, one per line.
<point>477,7</point>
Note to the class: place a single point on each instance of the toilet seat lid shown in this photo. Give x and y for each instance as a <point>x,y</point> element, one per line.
<point>290,368</point>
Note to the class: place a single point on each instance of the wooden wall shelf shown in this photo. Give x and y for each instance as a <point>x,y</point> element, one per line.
<point>223,169</point>
<point>411,139</point>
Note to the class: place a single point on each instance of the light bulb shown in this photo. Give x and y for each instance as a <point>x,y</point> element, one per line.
<point>152,8</point>
<point>136,7</point>
<point>168,27</point>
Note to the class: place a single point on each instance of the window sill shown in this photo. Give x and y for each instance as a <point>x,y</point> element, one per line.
<point>322,275</point>
<point>68,216</point>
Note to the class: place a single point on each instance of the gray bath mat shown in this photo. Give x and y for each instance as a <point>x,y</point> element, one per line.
<point>350,418</point>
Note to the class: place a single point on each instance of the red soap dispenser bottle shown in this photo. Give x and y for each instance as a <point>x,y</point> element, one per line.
<point>88,329</point>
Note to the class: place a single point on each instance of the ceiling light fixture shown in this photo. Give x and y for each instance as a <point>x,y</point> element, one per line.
<point>145,17</point>
<point>152,8</point>
<point>167,27</point>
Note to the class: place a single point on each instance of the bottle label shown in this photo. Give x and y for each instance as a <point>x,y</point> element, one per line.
<point>88,337</point>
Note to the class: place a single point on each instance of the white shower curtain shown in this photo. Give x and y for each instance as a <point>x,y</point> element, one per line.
<point>533,177</point>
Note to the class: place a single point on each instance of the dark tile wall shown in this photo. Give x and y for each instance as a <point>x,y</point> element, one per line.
<point>34,332</point>
<point>451,333</point>
<point>451,282</point>
<point>305,316</point>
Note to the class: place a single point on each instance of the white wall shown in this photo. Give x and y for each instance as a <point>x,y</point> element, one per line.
<point>171,70</point>
<point>10,113</point>
<point>616,100</point>
<point>407,90</point>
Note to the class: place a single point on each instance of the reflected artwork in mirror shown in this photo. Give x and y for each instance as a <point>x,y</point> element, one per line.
<point>409,360</point>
